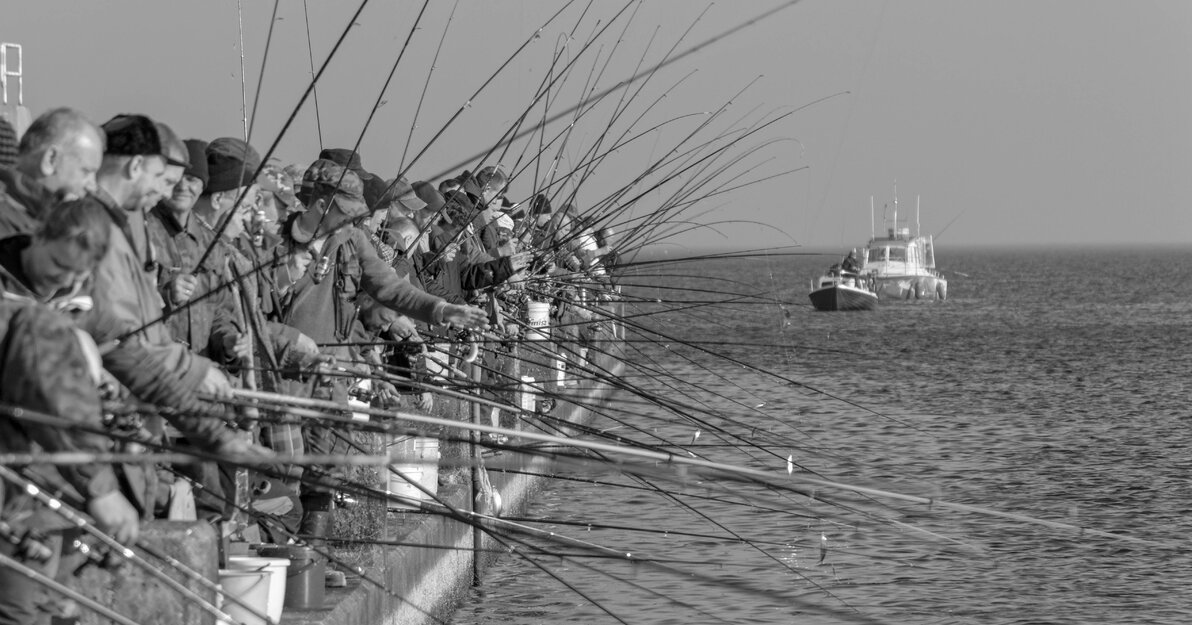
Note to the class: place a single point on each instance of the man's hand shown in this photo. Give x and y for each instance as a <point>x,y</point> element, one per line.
<point>238,346</point>
<point>243,447</point>
<point>403,328</point>
<point>467,317</point>
<point>386,394</point>
<point>519,261</point>
<point>215,383</point>
<point>426,401</point>
<point>182,288</point>
<point>116,517</point>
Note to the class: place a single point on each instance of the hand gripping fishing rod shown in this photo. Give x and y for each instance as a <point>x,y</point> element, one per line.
<point>80,521</point>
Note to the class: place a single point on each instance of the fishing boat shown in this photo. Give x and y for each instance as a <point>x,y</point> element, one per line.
<point>842,290</point>
<point>902,266</point>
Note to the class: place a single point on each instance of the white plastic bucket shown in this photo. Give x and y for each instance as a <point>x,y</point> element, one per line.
<point>276,567</point>
<point>251,587</point>
<point>422,469</point>
<point>366,386</point>
<point>528,399</point>
<point>538,318</point>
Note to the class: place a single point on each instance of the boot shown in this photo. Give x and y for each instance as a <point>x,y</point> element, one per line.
<point>316,518</point>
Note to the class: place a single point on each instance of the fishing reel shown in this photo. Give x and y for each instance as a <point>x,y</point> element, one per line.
<point>256,227</point>
<point>28,546</point>
<point>99,556</point>
<point>322,268</point>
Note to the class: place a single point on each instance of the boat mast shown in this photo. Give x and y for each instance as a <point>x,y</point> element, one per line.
<point>871,232</point>
<point>894,234</point>
<point>918,231</point>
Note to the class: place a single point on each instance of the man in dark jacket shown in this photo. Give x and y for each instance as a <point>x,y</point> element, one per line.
<point>329,262</point>
<point>48,366</point>
<point>57,160</point>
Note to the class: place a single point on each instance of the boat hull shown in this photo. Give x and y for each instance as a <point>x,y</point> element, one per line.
<point>842,298</point>
<point>912,287</point>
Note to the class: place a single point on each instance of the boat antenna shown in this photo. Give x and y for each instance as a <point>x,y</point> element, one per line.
<point>871,237</point>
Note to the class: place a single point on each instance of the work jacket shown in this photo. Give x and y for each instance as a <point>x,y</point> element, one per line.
<point>209,311</point>
<point>323,302</point>
<point>45,368</point>
<point>124,290</point>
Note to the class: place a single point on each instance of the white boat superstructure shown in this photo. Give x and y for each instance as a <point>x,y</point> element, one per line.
<point>902,265</point>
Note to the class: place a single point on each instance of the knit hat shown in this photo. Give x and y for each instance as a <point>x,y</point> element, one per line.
<point>231,164</point>
<point>197,148</point>
<point>344,191</point>
<point>429,194</point>
<point>137,135</point>
<point>459,209</point>
<point>344,158</point>
<point>8,144</point>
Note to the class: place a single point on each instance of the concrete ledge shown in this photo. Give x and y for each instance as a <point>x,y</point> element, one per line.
<point>131,591</point>
<point>429,576</point>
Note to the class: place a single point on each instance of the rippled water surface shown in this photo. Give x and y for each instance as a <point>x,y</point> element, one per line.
<point>1051,386</point>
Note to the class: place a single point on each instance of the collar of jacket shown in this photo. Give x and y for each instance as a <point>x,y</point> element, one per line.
<point>171,223</point>
<point>33,196</point>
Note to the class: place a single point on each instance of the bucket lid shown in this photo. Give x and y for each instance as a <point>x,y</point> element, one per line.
<point>290,552</point>
<point>254,562</point>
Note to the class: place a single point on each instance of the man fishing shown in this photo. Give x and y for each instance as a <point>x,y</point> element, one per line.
<point>48,366</point>
<point>329,262</point>
<point>57,159</point>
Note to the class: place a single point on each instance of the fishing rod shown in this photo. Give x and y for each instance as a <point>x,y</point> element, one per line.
<point>66,591</point>
<point>618,110</point>
<point>638,76</point>
<point>251,123</point>
<point>311,57</point>
<point>669,460</point>
<point>434,62</point>
<point>468,103</point>
<point>227,219</point>
<point>79,521</point>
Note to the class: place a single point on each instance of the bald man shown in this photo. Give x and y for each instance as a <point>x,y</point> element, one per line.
<point>57,160</point>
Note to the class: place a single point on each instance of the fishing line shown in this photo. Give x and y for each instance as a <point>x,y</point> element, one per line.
<point>434,62</point>
<point>261,78</point>
<point>311,56</point>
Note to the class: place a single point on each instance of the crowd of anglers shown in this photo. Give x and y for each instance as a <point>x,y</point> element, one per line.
<point>146,280</point>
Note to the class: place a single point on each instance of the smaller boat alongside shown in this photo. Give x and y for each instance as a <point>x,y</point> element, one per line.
<point>842,290</point>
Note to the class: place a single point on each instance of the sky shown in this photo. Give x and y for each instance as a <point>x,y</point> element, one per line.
<point>1017,122</point>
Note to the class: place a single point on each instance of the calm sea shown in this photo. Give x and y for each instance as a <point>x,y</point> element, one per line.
<point>1051,385</point>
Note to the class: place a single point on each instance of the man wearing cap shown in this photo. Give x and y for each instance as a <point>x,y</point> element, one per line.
<point>143,163</point>
<point>329,262</point>
<point>57,159</point>
<point>230,164</point>
<point>374,186</point>
<point>180,241</point>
